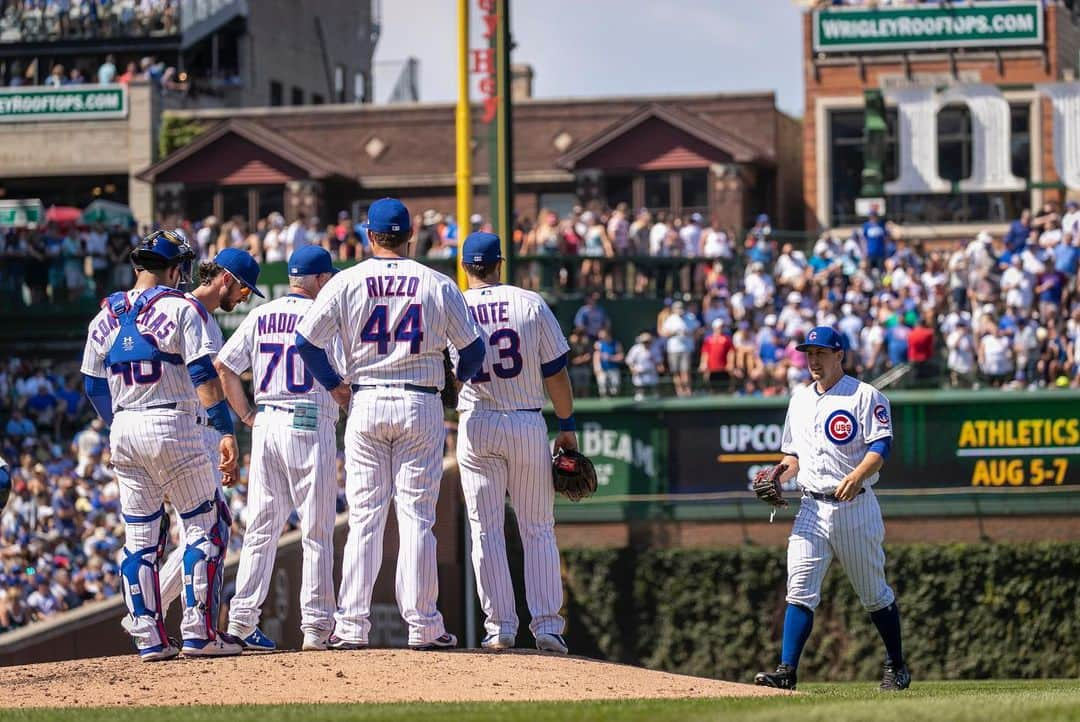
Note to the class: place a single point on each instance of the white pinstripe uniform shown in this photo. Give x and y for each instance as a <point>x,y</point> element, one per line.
<point>293,465</point>
<point>503,446</point>
<point>830,434</point>
<point>157,449</point>
<point>394,317</point>
<point>172,571</point>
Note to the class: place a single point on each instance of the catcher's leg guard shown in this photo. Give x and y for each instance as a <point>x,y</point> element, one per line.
<point>204,558</point>
<point>144,545</point>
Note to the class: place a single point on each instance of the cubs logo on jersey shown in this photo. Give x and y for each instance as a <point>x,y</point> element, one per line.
<point>841,427</point>
<point>881,413</point>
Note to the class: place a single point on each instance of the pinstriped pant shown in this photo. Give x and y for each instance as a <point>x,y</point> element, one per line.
<point>290,469</point>
<point>509,451</point>
<point>853,532</point>
<point>393,451</point>
<point>156,453</point>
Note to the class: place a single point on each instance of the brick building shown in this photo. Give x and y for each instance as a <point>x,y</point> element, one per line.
<point>961,127</point>
<point>727,155</point>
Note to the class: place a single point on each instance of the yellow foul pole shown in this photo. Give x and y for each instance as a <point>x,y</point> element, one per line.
<point>464,134</point>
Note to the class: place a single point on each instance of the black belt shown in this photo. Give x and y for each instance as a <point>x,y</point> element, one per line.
<point>268,407</point>
<point>150,408</point>
<point>408,387</point>
<point>827,497</point>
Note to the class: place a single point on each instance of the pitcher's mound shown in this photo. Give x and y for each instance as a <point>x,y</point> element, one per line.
<point>378,675</point>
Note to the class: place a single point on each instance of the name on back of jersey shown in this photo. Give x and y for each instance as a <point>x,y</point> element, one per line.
<point>389,285</point>
<point>277,323</point>
<point>151,320</point>
<point>490,313</point>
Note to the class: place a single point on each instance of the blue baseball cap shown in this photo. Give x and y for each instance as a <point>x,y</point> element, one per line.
<point>388,215</point>
<point>481,247</point>
<point>242,266</point>
<point>310,261</point>
<point>822,337</point>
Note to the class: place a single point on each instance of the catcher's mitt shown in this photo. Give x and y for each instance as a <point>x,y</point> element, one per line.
<point>449,391</point>
<point>767,486</point>
<point>574,475</point>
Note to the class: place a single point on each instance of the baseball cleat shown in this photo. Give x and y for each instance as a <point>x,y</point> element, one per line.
<point>258,642</point>
<point>552,643</point>
<point>446,641</point>
<point>159,652</point>
<point>498,641</point>
<point>344,645</point>
<point>222,646</point>
<point>783,678</point>
<point>315,642</point>
<point>896,678</point>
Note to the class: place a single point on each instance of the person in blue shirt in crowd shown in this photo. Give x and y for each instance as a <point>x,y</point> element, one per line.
<point>1019,232</point>
<point>876,237</point>
<point>591,317</point>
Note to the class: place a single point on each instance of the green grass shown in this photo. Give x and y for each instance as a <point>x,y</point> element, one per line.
<point>984,701</point>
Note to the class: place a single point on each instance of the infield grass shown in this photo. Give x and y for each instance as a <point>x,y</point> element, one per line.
<point>982,701</point>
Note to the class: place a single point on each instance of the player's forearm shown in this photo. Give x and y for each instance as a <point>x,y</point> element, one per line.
<point>870,465</point>
<point>210,392</point>
<point>562,395</point>
<point>234,392</point>
<point>792,463</point>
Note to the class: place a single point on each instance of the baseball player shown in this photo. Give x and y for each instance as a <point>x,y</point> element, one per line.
<point>145,351</point>
<point>293,455</point>
<point>223,283</point>
<point>503,445</point>
<point>394,317</point>
<point>836,438</point>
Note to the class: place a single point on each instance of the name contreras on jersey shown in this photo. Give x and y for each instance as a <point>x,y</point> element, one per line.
<point>277,323</point>
<point>392,285</point>
<point>150,320</point>
<point>486,314</point>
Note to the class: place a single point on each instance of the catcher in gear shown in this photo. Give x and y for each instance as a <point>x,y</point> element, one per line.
<point>767,487</point>
<point>573,474</point>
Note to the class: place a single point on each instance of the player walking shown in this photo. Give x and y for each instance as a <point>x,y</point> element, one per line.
<point>146,349</point>
<point>836,438</point>
<point>503,445</point>
<point>394,317</point>
<point>223,283</point>
<point>293,455</point>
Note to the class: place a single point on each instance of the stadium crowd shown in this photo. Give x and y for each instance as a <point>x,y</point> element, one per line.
<point>42,20</point>
<point>61,532</point>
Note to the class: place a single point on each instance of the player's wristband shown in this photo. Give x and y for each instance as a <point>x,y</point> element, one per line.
<point>567,424</point>
<point>220,418</point>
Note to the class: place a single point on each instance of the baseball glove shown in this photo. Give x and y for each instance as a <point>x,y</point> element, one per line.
<point>574,475</point>
<point>767,486</point>
<point>449,391</point>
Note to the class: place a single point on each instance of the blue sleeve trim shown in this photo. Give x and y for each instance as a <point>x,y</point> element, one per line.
<point>882,447</point>
<point>317,363</point>
<point>470,359</point>
<point>97,390</point>
<point>220,418</point>
<point>202,370</point>
<point>554,366</point>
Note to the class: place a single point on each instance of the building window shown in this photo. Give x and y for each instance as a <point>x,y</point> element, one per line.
<point>297,96</point>
<point>954,164</point>
<point>317,99</point>
<point>619,189</point>
<point>339,83</point>
<point>695,191</point>
<point>658,191</point>
<point>277,93</point>
<point>359,88</point>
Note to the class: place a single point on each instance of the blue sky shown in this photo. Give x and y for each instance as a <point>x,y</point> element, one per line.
<point>612,47</point>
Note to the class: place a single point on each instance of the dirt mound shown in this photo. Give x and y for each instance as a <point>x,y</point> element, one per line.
<point>378,675</point>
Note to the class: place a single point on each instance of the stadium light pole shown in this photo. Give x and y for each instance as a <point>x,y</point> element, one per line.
<point>464,134</point>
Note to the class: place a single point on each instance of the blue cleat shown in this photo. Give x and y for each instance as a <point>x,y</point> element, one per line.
<point>258,642</point>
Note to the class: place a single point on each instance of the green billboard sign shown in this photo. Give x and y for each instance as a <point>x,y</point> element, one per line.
<point>991,24</point>
<point>74,102</point>
<point>20,212</point>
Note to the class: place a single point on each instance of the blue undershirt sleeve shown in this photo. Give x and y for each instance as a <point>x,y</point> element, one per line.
<point>554,366</point>
<point>97,390</point>
<point>470,359</point>
<point>317,363</point>
<point>202,370</point>
<point>882,447</point>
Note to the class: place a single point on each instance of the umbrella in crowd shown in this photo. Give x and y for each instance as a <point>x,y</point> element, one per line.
<point>107,213</point>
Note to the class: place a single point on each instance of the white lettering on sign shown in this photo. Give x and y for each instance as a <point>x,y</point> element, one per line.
<point>751,437</point>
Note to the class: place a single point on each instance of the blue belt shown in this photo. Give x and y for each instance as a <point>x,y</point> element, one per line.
<point>150,408</point>
<point>408,387</point>
<point>827,497</point>
<point>268,407</point>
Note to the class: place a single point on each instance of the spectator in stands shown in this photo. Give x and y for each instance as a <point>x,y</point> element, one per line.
<point>607,363</point>
<point>875,238</point>
<point>641,361</point>
<point>592,317</point>
<point>106,72</point>
<point>961,358</point>
<point>96,242</point>
<point>996,357</point>
<point>131,72</point>
<point>758,242</point>
<point>921,349</point>
<point>18,426</point>
<point>118,252</point>
<point>580,362</point>
<point>680,328</point>
<point>716,355</point>
<point>597,245</point>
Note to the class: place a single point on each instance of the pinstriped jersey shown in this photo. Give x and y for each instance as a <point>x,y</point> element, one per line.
<point>265,343</point>
<point>830,433</point>
<point>177,327</point>
<point>522,334</point>
<point>213,330</point>
<point>394,317</point>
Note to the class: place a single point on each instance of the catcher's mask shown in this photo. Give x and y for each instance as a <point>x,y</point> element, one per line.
<point>162,250</point>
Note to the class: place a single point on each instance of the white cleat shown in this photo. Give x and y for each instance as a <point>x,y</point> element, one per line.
<point>314,642</point>
<point>551,643</point>
<point>498,641</point>
<point>221,646</point>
